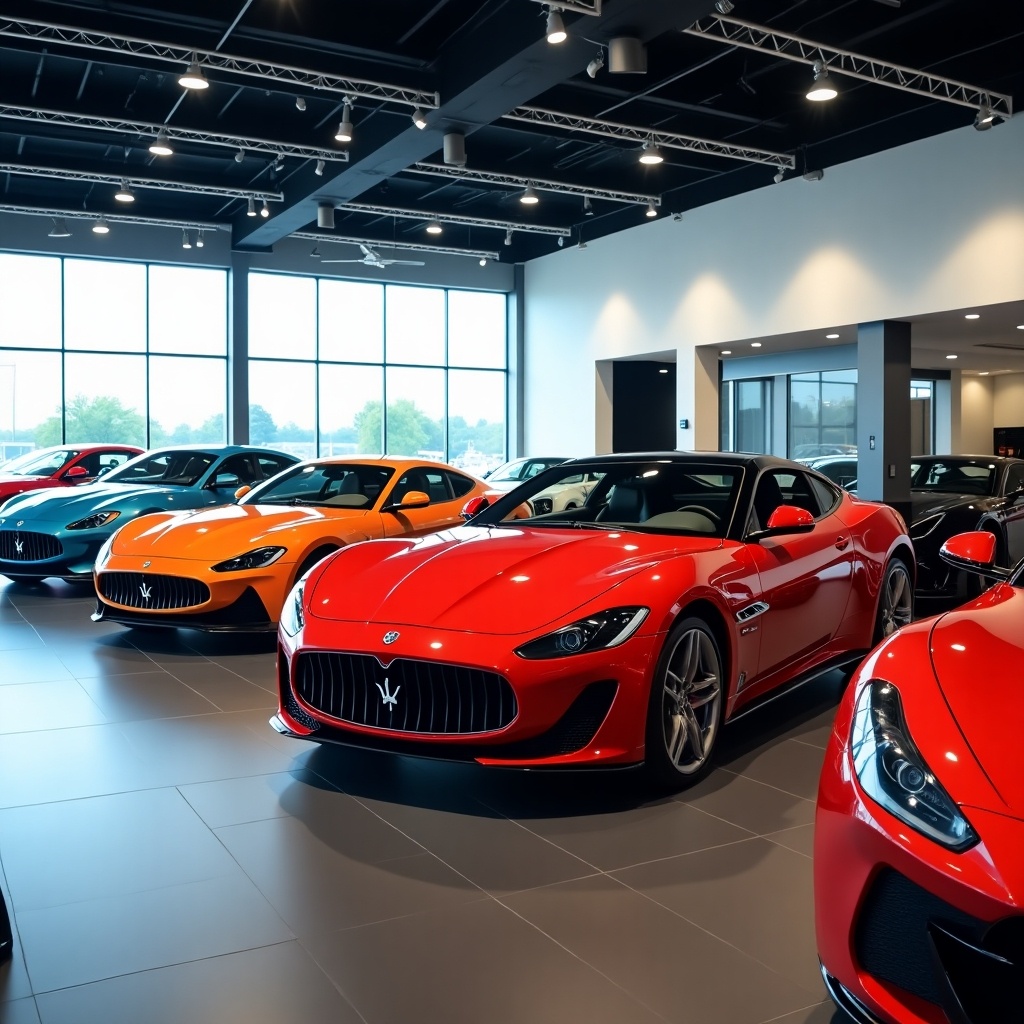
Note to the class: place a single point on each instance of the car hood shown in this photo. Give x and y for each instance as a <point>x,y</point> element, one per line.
<point>229,530</point>
<point>978,659</point>
<point>929,503</point>
<point>500,581</point>
<point>76,502</point>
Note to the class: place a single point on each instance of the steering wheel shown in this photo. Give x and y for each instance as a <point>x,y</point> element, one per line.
<point>713,516</point>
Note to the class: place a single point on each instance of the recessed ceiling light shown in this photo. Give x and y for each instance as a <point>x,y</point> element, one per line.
<point>972,316</point>
<point>755,344</point>
<point>983,373</point>
<point>726,351</point>
<point>831,337</point>
<point>663,371</point>
<point>434,228</point>
<point>1020,327</point>
<point>951,357</point>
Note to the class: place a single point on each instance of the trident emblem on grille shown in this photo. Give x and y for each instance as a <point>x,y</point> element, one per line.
<point>145,592</point>
<point>386,695</point>
<point>390,637</point>
<point>18,545</point>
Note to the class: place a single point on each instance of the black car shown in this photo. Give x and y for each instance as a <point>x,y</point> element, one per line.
<point>954,493</point>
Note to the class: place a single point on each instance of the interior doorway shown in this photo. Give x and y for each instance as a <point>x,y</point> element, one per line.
<point>643,405</point>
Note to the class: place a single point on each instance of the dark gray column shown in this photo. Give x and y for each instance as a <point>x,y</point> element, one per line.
<point>238,349</point>
<point>883,413</point>
<point>516,358</point>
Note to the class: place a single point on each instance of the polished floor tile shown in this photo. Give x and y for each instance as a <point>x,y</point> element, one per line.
<point>752,805</point>
<point>62,704</point>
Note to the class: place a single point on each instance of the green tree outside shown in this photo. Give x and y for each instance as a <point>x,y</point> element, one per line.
<point>102,419</point>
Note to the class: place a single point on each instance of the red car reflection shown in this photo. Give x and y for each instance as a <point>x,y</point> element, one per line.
<point>62,466</point>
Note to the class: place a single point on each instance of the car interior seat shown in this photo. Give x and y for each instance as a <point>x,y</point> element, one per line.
<point>767,498</point>
<point>627,503</point>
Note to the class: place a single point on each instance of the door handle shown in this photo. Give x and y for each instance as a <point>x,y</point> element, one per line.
<point>842,543</point>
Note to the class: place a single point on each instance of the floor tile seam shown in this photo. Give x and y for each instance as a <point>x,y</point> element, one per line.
<point>807,743</point>
<point>188,686</point>
<point>330,981</point>
<point>746,954</point>
<point>95,796</point>
<point>687,853</point>
<point>809,1006</point>
<point>778,789</point>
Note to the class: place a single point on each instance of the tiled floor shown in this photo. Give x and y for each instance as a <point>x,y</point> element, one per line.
<point>170,859</point>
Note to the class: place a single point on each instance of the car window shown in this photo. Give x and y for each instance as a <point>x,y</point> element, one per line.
<point>428,481</point>
<point>332,484</point>
<point>40,463</point>
<point>1014,478</point>
<point>271,465</point>
<point>112,460</point>
<point>828,495</point>
<point>953,476</point>
<point>183,468</point>
<point>239,468</point>
<point>458,483</point>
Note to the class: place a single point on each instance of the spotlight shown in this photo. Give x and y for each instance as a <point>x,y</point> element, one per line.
<point>588,207</point>
<point>529,196</point>
<point>434,228</point>
<point>278,161</point>
<point>596,64</point>
<point>319,169</point>
<point>555,30</point>
<point>419,118</point>
<point>816,175</point>
<point>199,239</point>
<point>160,146</point>
<point>985,117</point>
<point>652,210</point>
<point>483,261</point>
<point>822,89</point>
<point>185,241</point>
<point>325,215</point>
<point>779,174</point>
<point>561,241</point>
<point>508,237</point>
<point>300,102</point>
<point>124,194</point>
<point>250,210</point>
<point>344,132</point>
<point>264,209</point>
<point>650,154</point>
<point>239,156</point>
<point>315,252</point>
<point>627,55</point>
<point>677,217</point>
<point>194,78</point>
<point>724,6</point>
<point>101,227</point>
<point>59,229</point>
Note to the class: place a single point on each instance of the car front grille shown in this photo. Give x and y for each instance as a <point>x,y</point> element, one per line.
<point>151,592</point>
<point>407,696</point>
<point>16,546</point>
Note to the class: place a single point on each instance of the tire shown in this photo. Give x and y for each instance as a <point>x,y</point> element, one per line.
<point>684,713</point>
<point>895,600</point>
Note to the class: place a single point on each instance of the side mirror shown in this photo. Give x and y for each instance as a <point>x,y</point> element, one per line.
<point>973,552</point>
<point>76,473</point>
<point>474,505</point>
<point>242,491</point>
<point>1017,496</point>
<point>411,499</point>
<point>224,480</point>
<point>786,519</point>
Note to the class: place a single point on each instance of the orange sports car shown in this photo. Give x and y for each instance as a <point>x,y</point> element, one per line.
<point>231,567</point>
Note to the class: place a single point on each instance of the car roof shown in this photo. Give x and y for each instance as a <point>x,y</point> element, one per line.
<point>219,449</point>
<point>753,459</point>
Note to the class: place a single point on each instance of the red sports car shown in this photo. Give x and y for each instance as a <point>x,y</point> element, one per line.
<point>919,838</point>
<point>685,590</point>
<point>61,466</point>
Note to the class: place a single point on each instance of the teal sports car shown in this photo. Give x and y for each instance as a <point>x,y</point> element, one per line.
<point>59,533</point>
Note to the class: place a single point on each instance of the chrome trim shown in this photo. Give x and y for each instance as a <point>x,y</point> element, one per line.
<point>751,611</point>
<point>847,1001</point>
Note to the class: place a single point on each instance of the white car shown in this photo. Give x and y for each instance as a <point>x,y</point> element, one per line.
<point>511,474</point>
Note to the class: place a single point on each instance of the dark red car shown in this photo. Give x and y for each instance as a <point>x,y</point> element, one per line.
<point>919,835</point>
<point>62,466</point>
<point>686,589</point>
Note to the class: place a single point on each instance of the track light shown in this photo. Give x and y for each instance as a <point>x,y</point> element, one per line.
<point>264,209</point>
<point>250,210</point>
<point>627,55</point>
<point>652,210</point>
<point>529,196</point>
<point>434,228</point>
<point>724,6</point>
<point>300,102</point>
<point>588,207</point>
<point>596,64</point>
<point>561,241</point>
<point>816,175</point>
<point>194,78</point>
<point>455,149</point>
<point>199,239</point>
<point>325,216</point>
<point>315,252</point>
<point>555,30</point>
<point>160,146</point>
<point>822,89</point>
<point>186,242</point>
<point>59,229</point>
<point>508,237</point>
<point>779,175</point>
<point>419,118</point>
<point>344,132</point>
<point>124,194</point>
<point>101,227</point>
<point>677,217</point>
<point>319,169</point>
<point>239,156</point>
<point>483,261</point>
<point>985,117</point>
<point>650,154</point>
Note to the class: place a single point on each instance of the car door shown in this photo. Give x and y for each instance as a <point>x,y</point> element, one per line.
<point>805,577</point>
<point>1013,513</point>
<point>444,508</point>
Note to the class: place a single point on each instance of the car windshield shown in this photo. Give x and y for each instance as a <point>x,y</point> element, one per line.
<point>957,476</point>
<point>655,495</point>
<point>44,463</point>
<point>347,485</point>
<point>182,468</point>
<point>522,469</point>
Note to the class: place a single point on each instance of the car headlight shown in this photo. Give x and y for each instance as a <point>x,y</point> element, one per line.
<point>925,526</point>
<point>96,520</point>
<point>595,633</point>
<point>291,614</point>
<point>894,774</point>
<point>258,558</point>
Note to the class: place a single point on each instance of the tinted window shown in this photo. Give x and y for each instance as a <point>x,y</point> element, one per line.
<point>459,484</point>
<point>828,496</point>
<point>176,467</point>
<point>954,476</point>
<point>271,465</point>
<point>346,485</point>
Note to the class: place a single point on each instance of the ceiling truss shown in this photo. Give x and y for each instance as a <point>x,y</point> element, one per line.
<point>313,236</point>
<point>453,218</point>
<point>112,218</point>
<point>854,65</point>
<point>591,7</point>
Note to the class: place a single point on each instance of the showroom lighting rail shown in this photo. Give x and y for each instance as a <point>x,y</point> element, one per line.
<point>633,133</point>
<point>376,243</point>
<point>854,65</point>
<point>113,218</point>
<point>265,71</point>
<point>146,183</point>
<point>269,147</point>
<point>561,187</point>
<point>453,218</point>
<point>591,7</point>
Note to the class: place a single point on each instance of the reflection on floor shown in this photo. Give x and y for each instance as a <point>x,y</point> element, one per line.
<point>170,859</point>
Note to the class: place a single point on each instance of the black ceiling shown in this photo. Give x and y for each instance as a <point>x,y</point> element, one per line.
<point>482,58</point>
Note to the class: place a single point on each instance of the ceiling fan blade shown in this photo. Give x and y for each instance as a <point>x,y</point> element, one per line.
<point>405,263</point>
<point>343,261</point>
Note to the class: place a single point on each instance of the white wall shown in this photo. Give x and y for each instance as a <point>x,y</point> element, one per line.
<point>1009,401</point>
<point>938,224</point>
<point>977,415</point>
